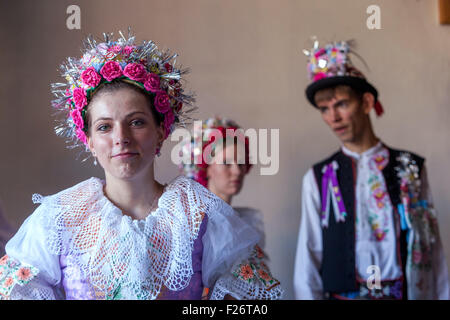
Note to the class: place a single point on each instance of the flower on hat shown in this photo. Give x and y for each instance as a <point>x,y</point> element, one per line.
<point>200,146</point>
<point>162,102</point>
<point>77,118</point>
<point>127,50</point>
<point>143,65</point>
<point>81,135</point>
<point>152,82</point>
<point>79,98</point>
<point>135,71</point>
<point>320,75</point>
<point>111,70</point>
<point>115,49</point>
<point>90,77</point>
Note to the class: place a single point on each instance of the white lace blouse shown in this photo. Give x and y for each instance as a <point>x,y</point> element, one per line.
<point>117,256</point>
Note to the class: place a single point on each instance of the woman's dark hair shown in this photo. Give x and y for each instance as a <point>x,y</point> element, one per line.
<point>116,85</point>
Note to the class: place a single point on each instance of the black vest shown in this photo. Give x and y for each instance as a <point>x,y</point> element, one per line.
<point>338,269</point>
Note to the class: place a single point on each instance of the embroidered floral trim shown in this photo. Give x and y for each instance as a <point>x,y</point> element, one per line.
<point>379,204</point>
<point>419,218</point>
<point>13,272</point>
<point>249,280</point>
<point>254,269</point>
<point>426,234</point>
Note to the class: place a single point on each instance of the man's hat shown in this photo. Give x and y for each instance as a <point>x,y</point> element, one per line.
<point>331,66</point>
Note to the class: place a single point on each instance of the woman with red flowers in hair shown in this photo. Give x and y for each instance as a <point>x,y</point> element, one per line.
<point>126,236</point>
<point>220,159</point>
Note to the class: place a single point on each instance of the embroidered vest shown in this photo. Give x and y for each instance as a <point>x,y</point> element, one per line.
<point>338,269</point>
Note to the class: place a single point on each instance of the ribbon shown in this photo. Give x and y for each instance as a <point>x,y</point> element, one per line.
<point>330,189</point>
<point>378,108</point>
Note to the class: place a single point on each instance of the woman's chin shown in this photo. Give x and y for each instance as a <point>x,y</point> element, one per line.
<point>125,172</point>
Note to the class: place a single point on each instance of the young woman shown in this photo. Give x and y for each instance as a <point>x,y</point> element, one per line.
<point>223,161</point>
<point>127,236</point>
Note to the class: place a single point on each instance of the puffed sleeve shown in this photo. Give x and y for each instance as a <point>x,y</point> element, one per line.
<point>233,263</point>
<point>29,270</point>
<point>227,239</point>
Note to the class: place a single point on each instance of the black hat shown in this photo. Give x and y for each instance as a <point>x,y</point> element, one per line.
<point>330,66</point>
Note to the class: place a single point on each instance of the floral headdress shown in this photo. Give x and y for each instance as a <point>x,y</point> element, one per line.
<point>196,144</point>
<point>331,65</point>
<point>119,60</point>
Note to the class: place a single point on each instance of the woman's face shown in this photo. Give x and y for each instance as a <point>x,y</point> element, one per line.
<point>123,134</point>
<point>227,177</point>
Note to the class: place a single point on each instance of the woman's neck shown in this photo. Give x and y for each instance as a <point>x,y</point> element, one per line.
<point>225,197</point>
<point>134,197</point>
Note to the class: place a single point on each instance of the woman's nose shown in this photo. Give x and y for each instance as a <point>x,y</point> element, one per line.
<point>121,135</point>
<point>236,169</point>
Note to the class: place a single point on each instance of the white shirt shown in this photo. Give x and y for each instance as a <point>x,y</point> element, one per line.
<point>375,241</point>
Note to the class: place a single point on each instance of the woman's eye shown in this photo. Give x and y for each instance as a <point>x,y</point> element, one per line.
<point>103,127</point>
<point>137,123</point>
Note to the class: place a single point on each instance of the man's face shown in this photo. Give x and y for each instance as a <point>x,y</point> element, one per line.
<point>346,115</point>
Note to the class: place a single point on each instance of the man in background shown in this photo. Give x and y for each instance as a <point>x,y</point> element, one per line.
<point>368,227</point>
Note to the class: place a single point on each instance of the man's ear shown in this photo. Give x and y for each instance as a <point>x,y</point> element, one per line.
<point>368,102</point>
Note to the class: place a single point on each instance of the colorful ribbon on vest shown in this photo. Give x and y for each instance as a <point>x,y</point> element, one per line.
<point>330,189</point>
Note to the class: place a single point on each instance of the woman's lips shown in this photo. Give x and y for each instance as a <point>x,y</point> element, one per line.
<point>125,155</point>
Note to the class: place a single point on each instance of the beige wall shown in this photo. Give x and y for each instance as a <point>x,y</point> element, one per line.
<point>246,64</point>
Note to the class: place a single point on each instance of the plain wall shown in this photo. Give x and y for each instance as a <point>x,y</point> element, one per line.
<point>247,64</point>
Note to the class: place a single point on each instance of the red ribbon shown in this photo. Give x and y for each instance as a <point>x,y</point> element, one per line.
<point>379,108</point>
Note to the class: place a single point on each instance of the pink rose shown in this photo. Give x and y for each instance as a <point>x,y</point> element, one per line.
<point>79,98</point>
<point>90,77</point>
<point>81,135</point>
<point>111,70</point>
<point>77,118</point>
<point>135,71</point>
<point>128,50</point>
<point>162,102</point>
<point>169,118</point>
<point>152,83</point>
